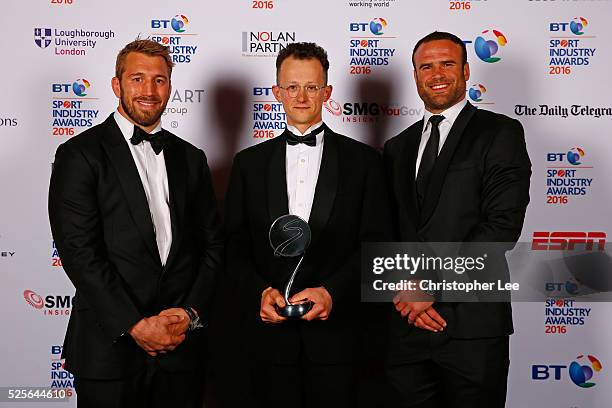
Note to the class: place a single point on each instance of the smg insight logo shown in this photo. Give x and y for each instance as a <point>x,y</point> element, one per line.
<point>582,371</point>
<point>173,34</point>
<point>51,305</point>
<point>368,112</point>
<point>487,45</point>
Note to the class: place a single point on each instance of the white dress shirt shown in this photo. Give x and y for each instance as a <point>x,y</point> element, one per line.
<point>302,164</point>
<point>152,171</point>
<point>450,115</point>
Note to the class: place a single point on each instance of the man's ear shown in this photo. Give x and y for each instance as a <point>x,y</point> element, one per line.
<point>116,85</point>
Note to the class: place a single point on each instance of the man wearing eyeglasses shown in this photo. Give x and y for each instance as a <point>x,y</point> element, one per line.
<point>334,183</point>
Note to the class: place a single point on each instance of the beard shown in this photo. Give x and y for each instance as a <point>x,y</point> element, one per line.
<point>143,118</point>
<point>442,102</point>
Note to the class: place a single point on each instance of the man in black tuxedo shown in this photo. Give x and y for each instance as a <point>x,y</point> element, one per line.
<point>334,183</point>
<point>459,175</point>
<point>134,218</point>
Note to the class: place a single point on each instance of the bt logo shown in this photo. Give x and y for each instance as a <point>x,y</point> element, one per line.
<point>178,23</point>
<point>487,45</point>
<point>376,26</point>
<point>476,91</point>
<point>576,26</point>
<point>580,371</point>
<point>573,156</point>
<point>78,87</point>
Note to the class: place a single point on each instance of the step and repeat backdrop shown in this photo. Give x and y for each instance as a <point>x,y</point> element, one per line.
<point>543,62</point>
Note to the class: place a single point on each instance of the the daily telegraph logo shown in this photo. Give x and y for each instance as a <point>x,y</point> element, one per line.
<point>73,108</point>
<point>265,43</point>
<point>568,240</point>
<point>182,99</point>
<point>56,261</point>
<point>175,33</point>
<point>582,371</point>
<point>569,46</point>
<point>50,305</point>
<point>68,42</point>
<point>562,314</point>
<point>368,112</point>
<point>561,111</point>
<point>369,45</point>
<point>60,378</point>
<point>269,118</point>
<point>566,176</point>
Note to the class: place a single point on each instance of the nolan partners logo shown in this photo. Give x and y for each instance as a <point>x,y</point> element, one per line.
<point>70,42</point>
<point>583,369</point>
<point>265,43</point>
<point>174,34</point>
<point>487,45</point>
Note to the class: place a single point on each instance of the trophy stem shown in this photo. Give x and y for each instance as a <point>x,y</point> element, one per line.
<point>290,282</point>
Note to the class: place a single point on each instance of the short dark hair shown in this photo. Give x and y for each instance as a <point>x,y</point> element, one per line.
<point>441,35</point>
<point>146,47</point>
<point>302,51</point>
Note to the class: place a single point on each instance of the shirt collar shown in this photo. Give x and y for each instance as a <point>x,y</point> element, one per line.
<point>127,127</point>
<point>450,114</point>
<point>318,136</point>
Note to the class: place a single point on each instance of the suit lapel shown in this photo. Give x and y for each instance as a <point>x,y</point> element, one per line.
<point>278,203</point>
<point>405,167</point>
<point>176,170</point>
<point>121,159</point>
<point>327,185</point>
<point>444,158</point>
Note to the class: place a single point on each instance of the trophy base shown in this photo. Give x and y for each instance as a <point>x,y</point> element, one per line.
<point>295,310</point>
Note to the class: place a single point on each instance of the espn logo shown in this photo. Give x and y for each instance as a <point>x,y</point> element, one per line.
<point>562,241</point>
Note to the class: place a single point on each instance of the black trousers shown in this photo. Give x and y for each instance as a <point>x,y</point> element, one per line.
<point>305,384</point>
<point>448,372</point>
<point>150,388</point>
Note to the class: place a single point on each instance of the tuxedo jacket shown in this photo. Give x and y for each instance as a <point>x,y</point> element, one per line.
<point>104,233</point>
<point>478,192</point>
<point>350,207</point>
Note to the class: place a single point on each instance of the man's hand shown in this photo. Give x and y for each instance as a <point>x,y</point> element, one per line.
<point>153,334</point>
<point>180,327</point>
<point>421,314</point>
<point>270,298</point>
<point>322,302</point>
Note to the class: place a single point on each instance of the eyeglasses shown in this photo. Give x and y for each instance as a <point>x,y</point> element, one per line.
<point>293,90</point>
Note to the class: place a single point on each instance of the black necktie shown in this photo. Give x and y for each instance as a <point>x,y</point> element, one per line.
<point>309,139</point>
<point>158,140</point>
<point>428,160</point>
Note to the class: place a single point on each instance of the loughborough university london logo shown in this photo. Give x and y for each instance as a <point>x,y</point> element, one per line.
<point>42,37</point>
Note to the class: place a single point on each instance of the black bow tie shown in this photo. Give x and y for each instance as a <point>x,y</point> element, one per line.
<point>309,139</point>
<point>158,140</point>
